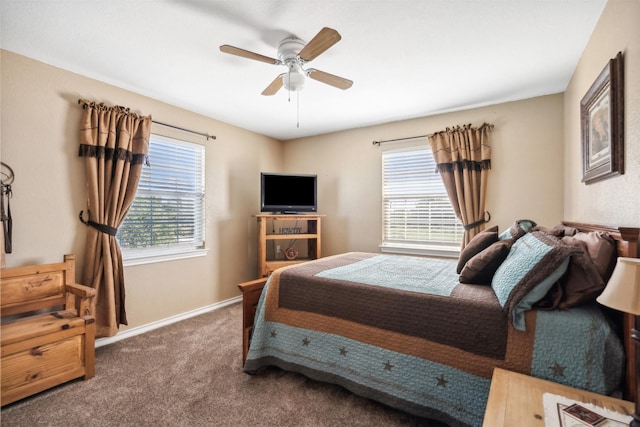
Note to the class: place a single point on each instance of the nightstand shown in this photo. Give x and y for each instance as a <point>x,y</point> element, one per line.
<point>516,400</point>
<point>251,292</point>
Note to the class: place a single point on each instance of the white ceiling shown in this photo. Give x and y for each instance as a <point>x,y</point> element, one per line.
<point>407,58</point>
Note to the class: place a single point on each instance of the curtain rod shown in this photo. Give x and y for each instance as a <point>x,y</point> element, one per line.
<point>87,103</point>
<point>421,136</point>
<point>401,139</point>
<point>185,130</point>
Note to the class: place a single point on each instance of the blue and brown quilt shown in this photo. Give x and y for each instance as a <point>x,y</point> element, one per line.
<point>401,330</point>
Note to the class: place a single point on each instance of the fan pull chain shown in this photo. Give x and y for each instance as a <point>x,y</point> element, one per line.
<point>298,110</point>
<point>289,77</point>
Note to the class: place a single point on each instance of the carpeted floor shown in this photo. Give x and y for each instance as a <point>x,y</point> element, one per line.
<point>189,374</point>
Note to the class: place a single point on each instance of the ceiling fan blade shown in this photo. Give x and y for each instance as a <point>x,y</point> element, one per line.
<point>330,79</point>
<point>248,54</point>
<point>326,38</point>
<point>274,86</point>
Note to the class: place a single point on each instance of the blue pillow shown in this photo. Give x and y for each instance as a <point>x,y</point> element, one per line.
<point>535,262</point>
<point>517,230</point>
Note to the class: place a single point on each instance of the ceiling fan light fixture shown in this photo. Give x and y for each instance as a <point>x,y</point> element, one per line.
<point>294,54</point>
<point>293,81</point>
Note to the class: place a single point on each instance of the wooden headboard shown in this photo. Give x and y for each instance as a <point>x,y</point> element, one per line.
<point>628,245</point>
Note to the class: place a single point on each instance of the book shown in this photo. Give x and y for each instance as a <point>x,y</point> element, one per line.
<point>560,411</point>
<point>585,415</point>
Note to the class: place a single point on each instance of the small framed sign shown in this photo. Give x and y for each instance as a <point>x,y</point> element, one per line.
<point>602,124</point>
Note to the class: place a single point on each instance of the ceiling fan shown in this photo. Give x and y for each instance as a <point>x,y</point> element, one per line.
<point>294,54</point>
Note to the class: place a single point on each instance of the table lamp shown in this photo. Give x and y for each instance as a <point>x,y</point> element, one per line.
<point>623,293</point>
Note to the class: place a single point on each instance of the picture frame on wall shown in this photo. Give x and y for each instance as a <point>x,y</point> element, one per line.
<point>602,124</point>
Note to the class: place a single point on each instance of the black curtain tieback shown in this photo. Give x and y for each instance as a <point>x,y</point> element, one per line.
<point>477,223</point>
<point>107,229</point>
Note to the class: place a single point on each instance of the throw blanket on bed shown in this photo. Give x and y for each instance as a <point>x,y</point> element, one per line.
<point>424,350</point>
<point>403,273</point>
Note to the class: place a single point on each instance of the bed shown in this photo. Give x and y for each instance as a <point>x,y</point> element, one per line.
<point>406,332</point>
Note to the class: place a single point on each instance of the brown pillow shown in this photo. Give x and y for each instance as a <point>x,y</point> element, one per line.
<point>558,231</point>
<point>582,282</point>
<point>579,285</point>
<point>602,249</point>
<point>478,243</point>
<point>480,269</point>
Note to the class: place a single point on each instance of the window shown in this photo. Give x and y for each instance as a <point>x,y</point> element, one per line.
<point>416,209</point>
<point>166,219</point>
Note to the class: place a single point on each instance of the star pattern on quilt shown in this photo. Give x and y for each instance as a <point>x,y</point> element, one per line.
<point>343,352</point>
<point>274,333</point>
<point>557,369</point>
<point>306,342</point>
<point>441,381</point>
<point>388,366</point>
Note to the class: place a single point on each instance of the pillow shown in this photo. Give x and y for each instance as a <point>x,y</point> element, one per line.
<point>478,243</point>
<point>535,262</point>
<point>602,249</point>
<point>518,229</point>
<point>559,230</point>
<point>580,284</point>
<point>552,299</point>
<point>481,268</point>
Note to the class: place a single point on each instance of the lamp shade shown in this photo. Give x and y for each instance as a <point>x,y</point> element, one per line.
<point>623,289</point>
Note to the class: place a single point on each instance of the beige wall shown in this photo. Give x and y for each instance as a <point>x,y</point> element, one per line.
<point>525,181</point>
<point>40,118</point>
<point>614,201</point>
<point>536,170</point>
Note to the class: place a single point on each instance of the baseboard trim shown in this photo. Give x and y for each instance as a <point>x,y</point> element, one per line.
<point>164,322</point>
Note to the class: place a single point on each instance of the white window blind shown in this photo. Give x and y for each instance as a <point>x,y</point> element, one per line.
<point>416,208</point>
<point>167,215</point>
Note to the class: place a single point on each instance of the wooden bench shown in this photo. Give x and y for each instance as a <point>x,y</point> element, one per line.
<point>48,331</point>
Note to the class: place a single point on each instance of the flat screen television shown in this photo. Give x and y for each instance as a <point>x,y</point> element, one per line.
<point>288,193</point>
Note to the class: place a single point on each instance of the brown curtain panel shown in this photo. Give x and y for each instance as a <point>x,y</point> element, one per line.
<point>114,143</point>
<point>463,158</point>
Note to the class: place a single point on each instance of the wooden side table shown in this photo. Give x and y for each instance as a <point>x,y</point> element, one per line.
<point>251,292</point>
<point>516,400</point>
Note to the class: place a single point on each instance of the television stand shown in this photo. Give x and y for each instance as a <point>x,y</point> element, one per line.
<point>285,230</point>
